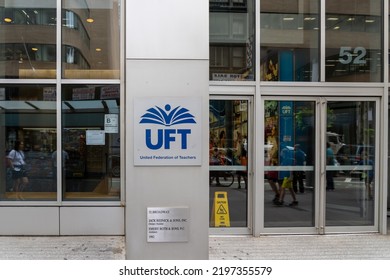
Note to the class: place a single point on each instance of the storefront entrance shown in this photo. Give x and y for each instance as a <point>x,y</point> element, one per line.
<point>319,164</point>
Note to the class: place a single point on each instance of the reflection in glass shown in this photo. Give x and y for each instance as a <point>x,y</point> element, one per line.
<point>289,35</point>
<point>232,41</point>
<point>228,156</point>
<point>27,48</point>
<point>353,41</point>
<point>351,186</point>
<point>90,39</point>
<point>289,155</point>
<point>27,123</point>
<point>90,136</point>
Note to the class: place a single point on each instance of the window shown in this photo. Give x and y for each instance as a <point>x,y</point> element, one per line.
<point>94,32</point>
<point>90,137</point>
<point>289,35</point>
<point>28,134</point>
<point>232,40</point>
<point>28,41</point>
<point>353,41</point>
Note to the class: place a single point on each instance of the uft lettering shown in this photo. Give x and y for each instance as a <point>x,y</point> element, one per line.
<point>165,137</point>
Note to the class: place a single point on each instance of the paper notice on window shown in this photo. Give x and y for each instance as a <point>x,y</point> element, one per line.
<point>96,137</point>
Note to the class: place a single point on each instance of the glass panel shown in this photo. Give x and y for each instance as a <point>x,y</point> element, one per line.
<point>90,39</point>
<point>289,46</point>
<point>90,136</point>
<point>232,41</point>
<point>354,41</point>
<point>27,40</point>
<point>228,163</point>
<point>350,169</point>
<point>28,139</point>
<point>289,163</point>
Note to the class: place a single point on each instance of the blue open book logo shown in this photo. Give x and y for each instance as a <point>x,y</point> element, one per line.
<point>167,117</point>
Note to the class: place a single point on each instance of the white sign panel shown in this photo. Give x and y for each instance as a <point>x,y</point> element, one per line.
<point>167,224</point>
<point>95,137</point>
<point>49,93</point>
<point>227,77</point>
<point>168,131</point>
<point>111,123</point>
<point>2,93</point>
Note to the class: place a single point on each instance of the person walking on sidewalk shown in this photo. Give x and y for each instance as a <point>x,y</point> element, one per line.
<point>329,162</point>
<point>300,158</point>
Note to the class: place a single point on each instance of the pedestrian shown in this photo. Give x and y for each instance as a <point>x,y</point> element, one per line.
<point>273,180</point>
<point>299,160</point>
<point>287,177</point>
<point>329,162</point>
<point>367,175</point>
<point>16,161</point>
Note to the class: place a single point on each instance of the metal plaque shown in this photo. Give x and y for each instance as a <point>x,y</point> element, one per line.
<point>167,224</point>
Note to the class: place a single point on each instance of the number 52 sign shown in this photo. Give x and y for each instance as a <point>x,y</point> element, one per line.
<point>356,55</point>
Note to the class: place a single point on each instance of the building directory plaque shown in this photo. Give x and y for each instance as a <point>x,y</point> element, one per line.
<point>167,224</point>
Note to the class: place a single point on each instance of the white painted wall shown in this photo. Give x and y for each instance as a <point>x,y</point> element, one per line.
<point>166,56</point>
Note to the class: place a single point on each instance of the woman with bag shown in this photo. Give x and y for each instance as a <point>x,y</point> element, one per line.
<point>17,163</point>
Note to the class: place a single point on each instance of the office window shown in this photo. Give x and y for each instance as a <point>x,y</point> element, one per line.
<point>28,38</point>
<point>232,34</point>
<point>90,138</point>
<point>91,28</point>
<point>354,41</point>
<point>289,46</point>
<point>28,141</point>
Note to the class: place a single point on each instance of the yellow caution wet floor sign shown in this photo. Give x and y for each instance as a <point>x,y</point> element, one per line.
<point>220,213</point>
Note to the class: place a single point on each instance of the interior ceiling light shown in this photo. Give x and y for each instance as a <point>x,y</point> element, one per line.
<point>98,49</point>
<point>288,18</point>
<point>333,18</point>
<point>370,20</point>
<point>90,20</point>
<point>34,49</point>
<point>7,19</point>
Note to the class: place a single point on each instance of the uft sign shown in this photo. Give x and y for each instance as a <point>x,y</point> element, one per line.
<point>167,131</point>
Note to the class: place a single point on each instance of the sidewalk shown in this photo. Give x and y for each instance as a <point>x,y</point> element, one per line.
<point>299,247</point>
<point>312,247</point>
<point>62,248</point>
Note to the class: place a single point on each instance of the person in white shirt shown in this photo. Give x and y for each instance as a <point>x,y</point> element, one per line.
<point>17,162</point>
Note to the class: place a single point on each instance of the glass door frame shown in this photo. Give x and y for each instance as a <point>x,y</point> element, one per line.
<point>319,167</point>
<point>261,178</point>
<point>377,205</point>
<point>248,230</point>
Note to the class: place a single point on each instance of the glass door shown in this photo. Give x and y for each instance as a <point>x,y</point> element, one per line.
<point>351,184</point>
<point>319,165</point>
<point>290,160</point>
<point>229,159</point>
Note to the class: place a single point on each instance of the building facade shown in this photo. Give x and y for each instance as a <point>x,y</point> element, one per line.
<point>294,141</point>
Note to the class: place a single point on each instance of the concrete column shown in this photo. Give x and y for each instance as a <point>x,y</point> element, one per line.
<point>166,57</point>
